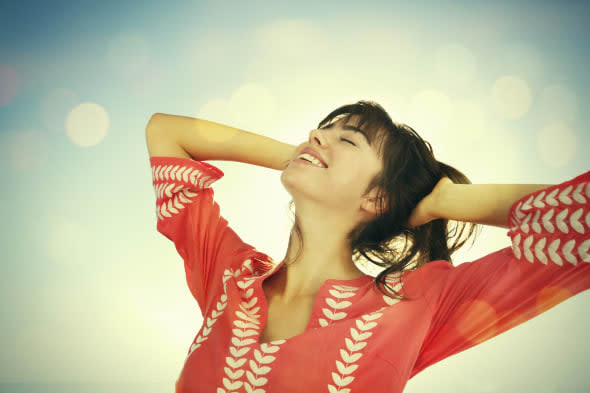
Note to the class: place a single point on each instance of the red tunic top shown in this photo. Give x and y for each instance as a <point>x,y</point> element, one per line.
<point>358,339</point>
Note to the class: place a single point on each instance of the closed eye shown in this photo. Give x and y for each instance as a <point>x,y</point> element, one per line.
<point>343,139</point>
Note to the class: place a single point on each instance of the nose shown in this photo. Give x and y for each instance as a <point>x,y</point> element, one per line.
<point>316,137</point>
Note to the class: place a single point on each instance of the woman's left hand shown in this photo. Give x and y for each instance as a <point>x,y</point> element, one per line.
<point>425,211</point>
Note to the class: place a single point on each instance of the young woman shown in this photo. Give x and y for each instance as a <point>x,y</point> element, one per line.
<point>363,185</point>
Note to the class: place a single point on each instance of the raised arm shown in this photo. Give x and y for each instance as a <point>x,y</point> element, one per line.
<point>486,204</point>
<point>208,140</point>
<point>547,262</point>
<point>186,210</point>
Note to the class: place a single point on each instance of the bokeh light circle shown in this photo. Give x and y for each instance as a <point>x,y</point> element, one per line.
<point>87,124</point>
<point>511,96</point>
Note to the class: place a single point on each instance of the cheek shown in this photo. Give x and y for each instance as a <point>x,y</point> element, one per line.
<point>346,178</point>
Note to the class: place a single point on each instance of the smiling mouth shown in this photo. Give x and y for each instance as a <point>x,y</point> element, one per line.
<point>309,162</point>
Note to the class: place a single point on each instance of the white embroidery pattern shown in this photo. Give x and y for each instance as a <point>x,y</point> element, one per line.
<point>259,368</point>
<point>208,324</point>
<point>334,311</point>
<point>214,316</point>
<point>172,185</point>
<point>247,324</point>
<point>394,281</point>
<point>353,352</point>
<point>342,378</point>
<point>560,208</point>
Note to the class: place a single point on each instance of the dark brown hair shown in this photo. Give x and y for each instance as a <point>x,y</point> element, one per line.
<point>409,173</point>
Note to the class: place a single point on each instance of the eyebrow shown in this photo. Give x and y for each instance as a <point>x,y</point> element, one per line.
<point>351,128</point>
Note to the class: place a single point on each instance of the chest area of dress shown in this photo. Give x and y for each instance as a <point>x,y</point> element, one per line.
<point>253,305</point>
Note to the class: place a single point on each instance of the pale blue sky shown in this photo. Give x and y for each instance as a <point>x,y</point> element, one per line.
<point>91,292</point>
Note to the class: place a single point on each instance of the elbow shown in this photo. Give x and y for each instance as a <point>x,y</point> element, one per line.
<point>153,118</point>
<point>151,123</point>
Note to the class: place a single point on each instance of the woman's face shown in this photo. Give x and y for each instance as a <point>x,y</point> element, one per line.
<point>351,161</point>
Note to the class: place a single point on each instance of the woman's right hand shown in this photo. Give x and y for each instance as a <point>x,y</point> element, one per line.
<point>425,210</point>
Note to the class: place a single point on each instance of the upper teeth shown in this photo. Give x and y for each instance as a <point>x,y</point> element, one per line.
<point>312,159</point>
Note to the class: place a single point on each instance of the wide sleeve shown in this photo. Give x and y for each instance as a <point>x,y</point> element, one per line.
<point>547,263</point>
<point>189,216</point>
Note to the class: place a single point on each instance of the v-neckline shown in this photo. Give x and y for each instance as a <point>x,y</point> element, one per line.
<point>355,282</point>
